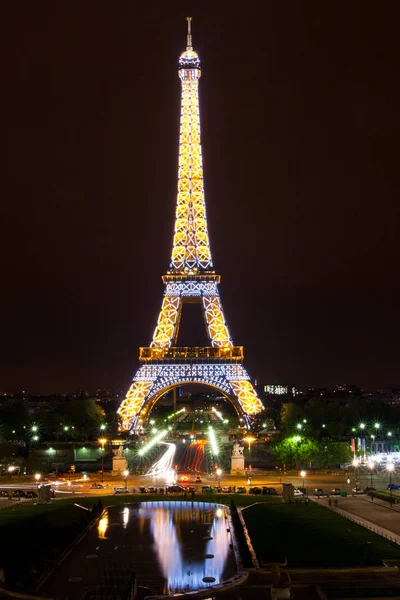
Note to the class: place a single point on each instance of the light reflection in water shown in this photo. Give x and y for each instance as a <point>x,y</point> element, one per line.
<point>178,530</point>
<point>125,516</point>
<point>102,526</point>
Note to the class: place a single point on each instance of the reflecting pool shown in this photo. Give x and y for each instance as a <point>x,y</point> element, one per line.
<point>171,546</point>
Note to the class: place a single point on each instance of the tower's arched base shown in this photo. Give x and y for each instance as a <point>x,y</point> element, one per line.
<point>152,381</point>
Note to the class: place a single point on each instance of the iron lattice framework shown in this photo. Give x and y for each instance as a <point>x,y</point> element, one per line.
<point>191,278</point>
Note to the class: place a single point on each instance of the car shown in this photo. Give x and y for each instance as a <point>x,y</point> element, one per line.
<point>255,490</point>
<point>369,489</point>
<point>335,492</point>
<point>31,494</point>
<point>120,490</point>
<point>357,490</point>
<point>174,489</point>
<point>97,486</point>
<point>393,486</point>
<point>198,479</point>
<point>18,494</point>
<point>4,494</point>
<point>241,489</point>
<point>297,493</point>
<point>153,490</point>
<point>206,489</point>
<point>319,492</point>
<point>227,489</point>
<point>267,491</point>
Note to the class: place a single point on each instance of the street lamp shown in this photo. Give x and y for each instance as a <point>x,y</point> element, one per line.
<point>219,473</point>
<point>356,462</point>
<point>37,477</point>
<point>126,473</point>
<point>102,442</point>
<point>371,465</point>
<point>390,468</point>
<point>303,475</point>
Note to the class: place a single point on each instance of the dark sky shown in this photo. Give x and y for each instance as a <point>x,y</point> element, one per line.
<point>300,123</point>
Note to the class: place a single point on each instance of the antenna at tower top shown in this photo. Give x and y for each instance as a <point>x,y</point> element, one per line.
<point>189,34</point>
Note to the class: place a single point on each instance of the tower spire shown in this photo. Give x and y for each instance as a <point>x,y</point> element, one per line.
<point>189,34</point>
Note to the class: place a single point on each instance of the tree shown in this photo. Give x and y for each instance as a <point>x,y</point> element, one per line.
<point>293,452</point>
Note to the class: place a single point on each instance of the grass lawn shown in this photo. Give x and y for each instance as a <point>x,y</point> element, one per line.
<point>313,536</point>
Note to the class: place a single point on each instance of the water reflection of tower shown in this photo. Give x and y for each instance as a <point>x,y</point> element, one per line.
<point>178,531</point>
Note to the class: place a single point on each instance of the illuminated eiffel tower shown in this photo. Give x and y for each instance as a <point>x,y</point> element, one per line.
<point>191,278</point>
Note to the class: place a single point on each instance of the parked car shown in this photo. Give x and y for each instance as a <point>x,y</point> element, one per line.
<point>393,486</point>
<point>241,489</point>
<point>97,486</point>
<point>369,489</point>
<point>31,494</point>
<point>153,490</point>
<point>357,490</point>
<point>226,489</point>
<point>297,493</point>
<point>198,479</point>
<point>319,492</point>
<point>4,494</point>
<point>174,489</point>
<point>255,490</point>
<point>335,492</point>
<point>206,489</point>
<point>120,490</point>
<point>18,494</point>
<point>267,491</point>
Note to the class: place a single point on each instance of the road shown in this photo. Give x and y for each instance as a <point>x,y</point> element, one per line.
<point>78,486</point>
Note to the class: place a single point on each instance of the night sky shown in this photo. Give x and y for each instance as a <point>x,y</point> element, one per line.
<point>300,121</point>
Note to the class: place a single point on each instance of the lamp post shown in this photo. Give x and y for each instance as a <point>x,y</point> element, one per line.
<point>219,473</point>
<point>371,466</point>
<point>390,468</point>
<point>126,473</point>
<point>102,442</point>
<point>37,478</point>
<point>356,462</point>
<point>303,475</point>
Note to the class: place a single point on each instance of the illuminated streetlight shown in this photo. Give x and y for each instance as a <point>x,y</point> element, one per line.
<point>299,426</point>
<point>103,426</point>
<point>34,428</point>
<point>362,425</point>
<point>66,428</point>
<point>377,425</point>
<point>389,433</point>
<point>37,478</point>
<point>303,475</point>
<point>249,439</point>
<point>371,466</point>
<point>323,425</point>
<point>126,473</point>
<point>219,473</point>
<point>35,438</point>
<point>154,430</point>
<point>390,469</point>
<point>102,442</point>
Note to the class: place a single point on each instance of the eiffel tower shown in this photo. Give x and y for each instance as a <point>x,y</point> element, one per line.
<point>190,278</point>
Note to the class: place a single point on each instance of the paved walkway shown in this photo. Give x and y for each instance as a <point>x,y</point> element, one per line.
<point>375,516</point>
